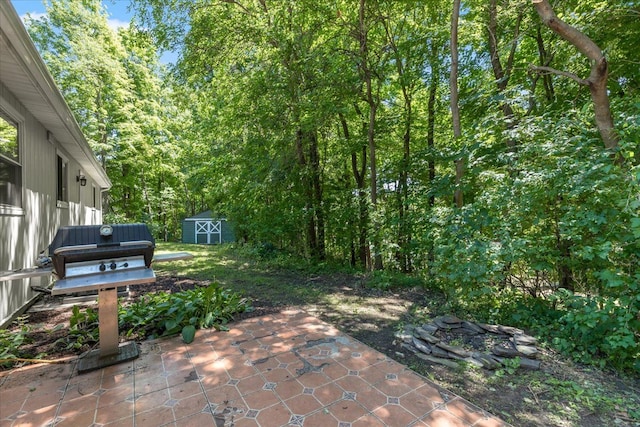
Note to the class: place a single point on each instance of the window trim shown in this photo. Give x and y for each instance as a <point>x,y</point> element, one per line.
<point>16,118</point>
<point>61,203</point>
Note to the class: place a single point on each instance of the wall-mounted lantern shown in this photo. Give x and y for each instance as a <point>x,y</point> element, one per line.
<point>81,179</point>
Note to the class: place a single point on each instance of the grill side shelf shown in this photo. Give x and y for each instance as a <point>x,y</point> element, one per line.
<point>107,280</point>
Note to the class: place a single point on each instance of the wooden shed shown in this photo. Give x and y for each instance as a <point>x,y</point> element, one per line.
<point>206,228</point>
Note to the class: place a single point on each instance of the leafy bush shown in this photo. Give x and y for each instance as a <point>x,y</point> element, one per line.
<point>10,342</point>
<point>600,330</point>
<point>83,328</point>
<point>162,314</point>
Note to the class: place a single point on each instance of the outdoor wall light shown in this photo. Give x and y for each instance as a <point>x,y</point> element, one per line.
<point>82,180</point>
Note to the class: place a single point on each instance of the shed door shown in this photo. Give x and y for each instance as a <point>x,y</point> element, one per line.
<point>208,232</point>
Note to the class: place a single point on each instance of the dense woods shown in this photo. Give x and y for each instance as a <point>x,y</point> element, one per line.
<point>491,148</point>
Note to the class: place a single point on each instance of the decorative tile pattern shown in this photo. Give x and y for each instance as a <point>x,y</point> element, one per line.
<point>296,420</point>
<point>303,371</point>
<point>209,409</point>
<point>171,403</point>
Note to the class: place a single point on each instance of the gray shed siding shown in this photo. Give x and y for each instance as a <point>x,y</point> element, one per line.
<point>205,228</point>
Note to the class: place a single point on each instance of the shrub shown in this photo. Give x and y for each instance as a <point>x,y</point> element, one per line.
<point>162,314</point>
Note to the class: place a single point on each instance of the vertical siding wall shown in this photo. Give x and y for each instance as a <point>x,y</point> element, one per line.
<point>24,236</point>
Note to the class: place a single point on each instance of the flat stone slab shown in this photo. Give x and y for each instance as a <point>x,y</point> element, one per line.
<point>422,346</point>
<point>446,362</point>
<point>426,336</point>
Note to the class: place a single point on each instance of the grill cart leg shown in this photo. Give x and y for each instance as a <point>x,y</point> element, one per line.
<point>110,352</point>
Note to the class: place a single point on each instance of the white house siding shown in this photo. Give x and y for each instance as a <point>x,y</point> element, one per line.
<point>24,235</point>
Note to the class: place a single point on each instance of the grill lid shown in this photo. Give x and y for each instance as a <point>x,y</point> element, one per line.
<point>73,244</point>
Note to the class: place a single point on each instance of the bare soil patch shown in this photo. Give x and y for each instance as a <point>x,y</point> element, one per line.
<point>549,397</point>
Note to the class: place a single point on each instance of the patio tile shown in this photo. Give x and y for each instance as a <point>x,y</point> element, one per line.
<point>392,414</point>
<point>121,410</point>
<point>225,393</point>
<point>70,407</point>
<point>37,417</point>
<point>371,398</point>
<point>287,369</point>
<point>154,417</point>
<point>320,419</point>
<point>421,401</point>
<point>261,399</point>
<point>287,389</point>
<point>122,422</point>
<point>250,384</point>
<point>276,415</point>
<point>197,420</point>
<point>189,405</point>
<point>76,419</point>
<point>303,404</point>
<point>443,418</point>
<point>327,393</point>
<point>347,410</point>
<point>368,421</point>
<point>114,396</point>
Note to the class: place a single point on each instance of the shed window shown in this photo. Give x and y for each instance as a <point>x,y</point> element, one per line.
<point>10,166</point>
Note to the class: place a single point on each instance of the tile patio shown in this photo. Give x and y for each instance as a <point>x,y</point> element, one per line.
<point>287,369</point>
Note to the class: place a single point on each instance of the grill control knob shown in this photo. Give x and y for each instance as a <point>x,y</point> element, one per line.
<point>113,265</point>
<point>103,267</point>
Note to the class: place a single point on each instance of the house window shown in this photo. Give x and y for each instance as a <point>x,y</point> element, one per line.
<point>95,198</point>
<point>63,181</point>
<point>10,167</point>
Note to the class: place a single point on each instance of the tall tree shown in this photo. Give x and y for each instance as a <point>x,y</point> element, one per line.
<point>112,82</point>
<point>455,109</point>
<point>597,80</point>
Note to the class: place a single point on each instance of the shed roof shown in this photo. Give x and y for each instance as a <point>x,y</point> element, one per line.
<point>23,71</point>
<point>203,216</point>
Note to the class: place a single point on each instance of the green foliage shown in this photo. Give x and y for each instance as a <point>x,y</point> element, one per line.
<point>10,342</point>
<point>600,330</point>
<point>389,280</point>
<point>83,328</point>
<point>161,314</point>
<point>509,367</point>
<point>293,166</point>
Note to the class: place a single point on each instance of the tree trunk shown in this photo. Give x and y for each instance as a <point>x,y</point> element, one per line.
<point>358,175</point>
<point>597,80</point>
<point>503,74</point>
<point>455,111</point>
<point>404,229</point>
<point>314,160</point>
<point>373,107</point>
<point>431,124</point>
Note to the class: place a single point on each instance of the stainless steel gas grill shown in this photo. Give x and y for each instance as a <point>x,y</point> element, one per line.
<point>101,258</point>
<point>89,257</point>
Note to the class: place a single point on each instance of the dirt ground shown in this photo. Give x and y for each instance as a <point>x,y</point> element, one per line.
<point>560,394</point>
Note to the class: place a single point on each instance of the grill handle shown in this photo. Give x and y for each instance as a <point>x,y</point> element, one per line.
<point>64,249</point>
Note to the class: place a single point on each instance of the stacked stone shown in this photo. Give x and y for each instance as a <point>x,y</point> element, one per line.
<point>513,342</point>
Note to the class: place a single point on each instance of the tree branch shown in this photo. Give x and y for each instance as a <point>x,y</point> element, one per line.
<point>548,70</point>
